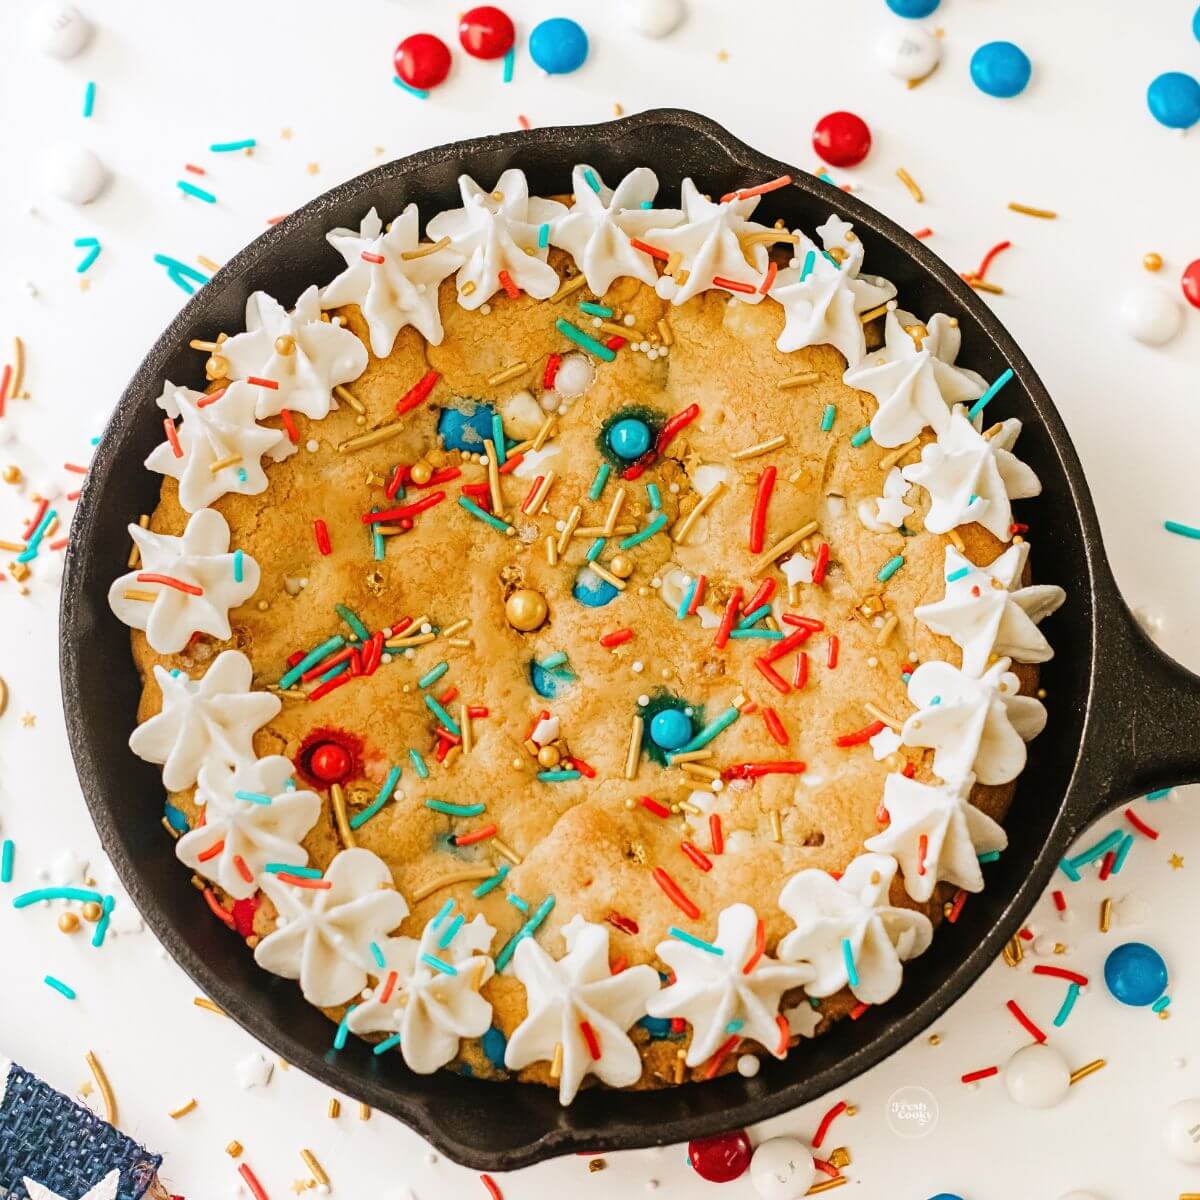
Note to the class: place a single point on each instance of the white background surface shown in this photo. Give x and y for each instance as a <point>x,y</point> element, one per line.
<point>172,78</point>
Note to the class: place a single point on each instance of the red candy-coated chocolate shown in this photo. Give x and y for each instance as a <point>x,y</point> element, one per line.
<point>1190,282</point>
<point>486,32</point>
<point>329,762</point>
<point>422,60</point>
<point>722,1157</point>
<point>841,139</point>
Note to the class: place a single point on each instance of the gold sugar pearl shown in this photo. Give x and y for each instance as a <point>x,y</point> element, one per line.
<point>1152,261</point>
<point>548,757</point>
<point>422,473</point>
<point>12,474</point>
<point>92,911</point>
<point>285,344</point>
<point>526,610</point>
<point>68,922</point>
<point>217,367</point>
<point>621,566</point>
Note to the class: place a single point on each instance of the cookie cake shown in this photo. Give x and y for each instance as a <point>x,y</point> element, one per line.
<point>590,642</point>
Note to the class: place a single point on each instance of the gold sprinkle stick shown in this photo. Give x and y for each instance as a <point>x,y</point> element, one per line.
<point>770,444</point>
<point>426,248</point>
<point>338,795</point>
<point>182,1110</point>
<point>1046,214</point>
<point>781,547</point>
<point>1088,1069</point>
<point>801,380</point>
<point>910,183</point>
<point>680,532</point>
<point>106,1092</point>
<point>493,474</point>
<point>466,875</point>
<point>635,748</point>
<point>374,438</point>
<point>318,1172</point>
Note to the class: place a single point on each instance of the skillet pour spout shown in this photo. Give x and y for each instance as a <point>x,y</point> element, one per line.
<point>1123,718</point>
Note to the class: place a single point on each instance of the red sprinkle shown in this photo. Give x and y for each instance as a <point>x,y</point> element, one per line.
<point>659,810</point>
<point>256,1188</point>
<point>1106,866</point>
<point>585,769</point>
<point>697,856</point>
<point>506,282</point>
<point>212,852</point>
<point>859,736</point>
<point>272,384</point>
<point>765,591</point>
<point>982,269</point>
<point>834,643</point>
<point>1061,973</point>
<point>922,850</point>
<point>772,676</point>
<point>956,906</point>
<point>1060,901</point>
<point>760,947</point>
<point>511,463</point>
<point>775,726</point>
<point>975,1076</point>
<point>758,515</point>
<point>178,584</point>
<point>674,424</point>
<point>800,671</point>
<point>593,1042</point>
<point>1140,825</point>
<point>329,685</point>
<point>821,563</point>
<point>537,483</point>
<point>697,594</point>
<point>810,623</point>
<point>367,256</point>
<point>727,619</point>
<point>301,881</point>
<point>653,251</point>
<point>827,1120</point>
<point>716,833</point>
<point>858,1010</point>
<point>210,898</point>
<point>623,923</point>
<point>418,393</point>
<point>1014,1008</point>
<point>923,233</point>
<point>827,1168</point>
<point>35,520</point>
<point>788,644</point>
<point>321,531</point>
<point>551,372</point>
<point>173,437</point>
<point>768,278</point>
<point>289,425</point>
<point>403,510</point>
<point>757,770</point>
<point>618,637</point>
<point>492,1187</point>
<point>732,285</point>
<point>676,896</point>
<point>244,871</point>
<point>389,985</point>
<point>477,835</point>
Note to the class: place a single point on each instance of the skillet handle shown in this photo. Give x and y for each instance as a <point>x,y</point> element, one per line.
<point>1146,732</point>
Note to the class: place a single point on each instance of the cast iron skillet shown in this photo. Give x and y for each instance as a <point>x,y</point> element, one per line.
<point>1117,705</point>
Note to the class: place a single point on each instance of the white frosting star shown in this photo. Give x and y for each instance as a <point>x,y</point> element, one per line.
<point>708,243</point>
<point>718,996</point>
<point>882,514</point>
<point>576,995</point>
<point>534,462</point>
<point>396,292</point>
<point>596,229</point>
<point>847,921</point>
<point>199,559</point>
<point>491,235</point>
<point>937,834</point>
<point>986,612</point>
<point>319,355</point>
<point>324,935</point>
<point>975,726</point>
<point>240,836</point>
<point>972,478</point>
<point>822,297</point>
<point>207,720</point>
<point>215,431</point>
<point>798,568</point>
<point>106,1189</point>
<point>432,1009</point>
<point>913,378</point>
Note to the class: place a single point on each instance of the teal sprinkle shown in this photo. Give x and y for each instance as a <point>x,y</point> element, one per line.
<point>35,539</point>
<point>60,987</point>
<point>595,310</point>
<point>456,810</point>
<point>324,650</point>
<point>848,959</point>
<point>543,236</point>
<point>239,566</point>
<point>1060,1018</point>
<point>438,964</point>
<point>763,610</point>
<point>106,907</point>
<point>700,944</point>
<point>180,273</point>
<point>6,861</point>
<point>333,672</point>
<point>526,930</point>
<point>829,257</point>
<point>825,177</point>
<point>451,930</point>
<point>862,437</point>
<point>601,478</point>
<point>583,340</point>
<point>343,1029</point>
<point>688,597</point>
<point>433,675</point>
<point>558,776</point>
<point>768,635</point>
<point>419,764</point>
<point>253,797</point>
<point>1068,870</point>
<point>735,1026</point>
<point>961,573</point>
<point>1161,1003</point>
<point>510,60</point>
<point>83,895</point>
<point>290,785</point>
<point>642,535</point>
<point>498,438</point>
<point>242,476</point>
<point>291,869</point>
<point>1122,854</point>
<point>710,731</point>
<point>990,857</point>
<point>226,147</point>
<point>592,182</point>
<point>93,252</point>
<point>1188,531</point>
<point>596,549</point>
<point>475,511</point>
<point>360,630</point>
<point>387,1044</point>
<point>442,715</point>
<point>889,568</point>
<point>377,955</point>
<point>517,902</point>
<point>420,93</point>
<point>385,794</point>
<point>554,660</point>
<point>190,189</point>
<point>490,885</point>
<point>1161,794</point>
<point>378,544</point>
<point>981,403</point>
<point>809,260</point>
<point>443,913</point>
<point>89,98</point>
<point>1099,850</point>
<point>827,417</point>
<point>655,498</point>
<point>646,204</point>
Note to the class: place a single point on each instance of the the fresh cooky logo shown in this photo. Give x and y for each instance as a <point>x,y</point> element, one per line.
<point>912,1112</point>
